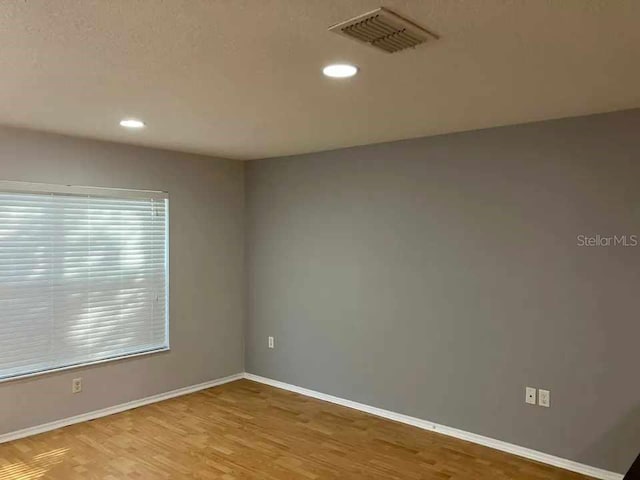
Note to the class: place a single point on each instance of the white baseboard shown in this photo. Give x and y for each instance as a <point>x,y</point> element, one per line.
<point>7,437</point>
<point>452,432</point>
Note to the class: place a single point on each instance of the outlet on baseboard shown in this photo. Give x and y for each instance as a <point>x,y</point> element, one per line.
<point>76,385</point>
<point>272,342</point>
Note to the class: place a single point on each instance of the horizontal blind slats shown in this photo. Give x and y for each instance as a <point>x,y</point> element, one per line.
<point>82,278</point>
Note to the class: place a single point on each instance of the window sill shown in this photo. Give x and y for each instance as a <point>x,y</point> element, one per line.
<point>23,376</point>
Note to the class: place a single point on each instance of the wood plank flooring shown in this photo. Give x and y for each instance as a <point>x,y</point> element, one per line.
<point>246,430</point>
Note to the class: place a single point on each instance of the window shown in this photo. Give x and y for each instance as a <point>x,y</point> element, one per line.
<point>83,276</point>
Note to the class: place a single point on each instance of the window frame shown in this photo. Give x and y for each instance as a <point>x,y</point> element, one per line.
<point>11,186</point>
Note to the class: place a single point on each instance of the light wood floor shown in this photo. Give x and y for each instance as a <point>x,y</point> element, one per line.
<point>245,430</point>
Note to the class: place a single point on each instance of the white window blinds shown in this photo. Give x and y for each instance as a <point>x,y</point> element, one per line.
<point>83,276</point>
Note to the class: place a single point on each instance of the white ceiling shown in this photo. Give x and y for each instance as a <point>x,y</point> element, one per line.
<point>242,78</point>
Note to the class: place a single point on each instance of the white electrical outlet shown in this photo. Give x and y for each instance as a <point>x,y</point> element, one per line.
<point>530,395</point>
<point>544,398</point>
<point>271,342</point>
<point>76,385</point>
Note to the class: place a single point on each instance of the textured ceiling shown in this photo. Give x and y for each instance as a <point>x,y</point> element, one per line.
<point>242,78</point>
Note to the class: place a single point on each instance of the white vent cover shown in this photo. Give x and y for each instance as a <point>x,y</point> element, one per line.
<point>384,30</point>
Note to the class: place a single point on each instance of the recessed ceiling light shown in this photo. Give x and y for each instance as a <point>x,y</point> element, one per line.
<point>340,70</point>
<point>131,123</point>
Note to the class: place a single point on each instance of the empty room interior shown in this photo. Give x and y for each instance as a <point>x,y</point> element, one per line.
<point>319,239</point>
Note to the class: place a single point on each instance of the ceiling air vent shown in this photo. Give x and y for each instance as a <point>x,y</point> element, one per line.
<point>384,30</point>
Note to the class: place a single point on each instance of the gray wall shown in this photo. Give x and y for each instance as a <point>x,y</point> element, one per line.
<point>206,262</point>
<point>438,277</point>
<point>434,277</point>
